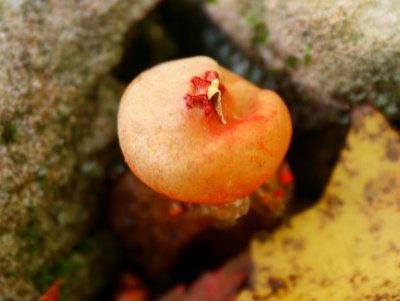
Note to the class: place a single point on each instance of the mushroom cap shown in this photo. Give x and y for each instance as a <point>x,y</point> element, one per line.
<point>188,156</point>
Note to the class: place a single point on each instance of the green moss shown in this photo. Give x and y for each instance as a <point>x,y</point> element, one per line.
<point>18,158</point>
<point>12,274</point>
<point>42,171</point>
<point>56,193</point>
<point>76,135</point>
<point>62,269</point>
<point>10,133</point>
<point>89,244</point>
<point>261,34</point>
<point>255,19</point>
<point>89,261</point>
<point>57,148</point>
<point>32,235</point>
<point>41,177</point>
<point>291,63</point>
<point>92,168</point>
<point>31,232</point>
<point>40,128</point>
<point>251,19</point>
<point>307,54</point>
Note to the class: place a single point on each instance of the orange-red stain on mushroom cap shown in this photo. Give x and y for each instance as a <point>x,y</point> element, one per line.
<point>191,157</point>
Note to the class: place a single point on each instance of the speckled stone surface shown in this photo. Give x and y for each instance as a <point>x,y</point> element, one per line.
<point>328,55</point>
<point>57,110</point>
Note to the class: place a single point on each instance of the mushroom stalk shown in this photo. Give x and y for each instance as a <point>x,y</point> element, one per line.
<point>204,139</point>
<point>146,221</point>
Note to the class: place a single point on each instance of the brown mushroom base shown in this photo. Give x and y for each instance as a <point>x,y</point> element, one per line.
<point>154,229</point>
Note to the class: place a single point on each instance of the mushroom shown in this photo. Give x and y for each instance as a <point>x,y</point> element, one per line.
<point>195,132</point>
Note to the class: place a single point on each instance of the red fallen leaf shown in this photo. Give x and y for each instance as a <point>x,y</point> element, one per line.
<point>221,285</point>
<point>199,92</point>
<point>53,292</point>
<point>131,289</point>
<point>132,295</point>
<point>285,176</point>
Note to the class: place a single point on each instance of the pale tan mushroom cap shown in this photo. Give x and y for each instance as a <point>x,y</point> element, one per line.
<point>191,157</point>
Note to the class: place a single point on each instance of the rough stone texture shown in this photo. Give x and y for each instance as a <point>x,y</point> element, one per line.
<point>57,110</point>
<point>82,272</point>
<point>327,54</point>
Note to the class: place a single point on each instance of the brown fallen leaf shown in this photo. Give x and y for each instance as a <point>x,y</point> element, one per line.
<point>347,247</point>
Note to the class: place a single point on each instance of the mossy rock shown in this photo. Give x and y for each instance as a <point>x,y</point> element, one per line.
<point>326,56</point>
<point>82,271</point>
<point>57,112</point>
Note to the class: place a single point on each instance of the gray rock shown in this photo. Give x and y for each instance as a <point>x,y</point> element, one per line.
<point>57,111</point>
<point>326,55</point>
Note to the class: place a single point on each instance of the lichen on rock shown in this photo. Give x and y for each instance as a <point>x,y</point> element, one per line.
<point>327,56</point>
<point>57,110</point>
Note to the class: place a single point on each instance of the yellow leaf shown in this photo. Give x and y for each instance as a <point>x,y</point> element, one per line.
<point>347,247</point>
